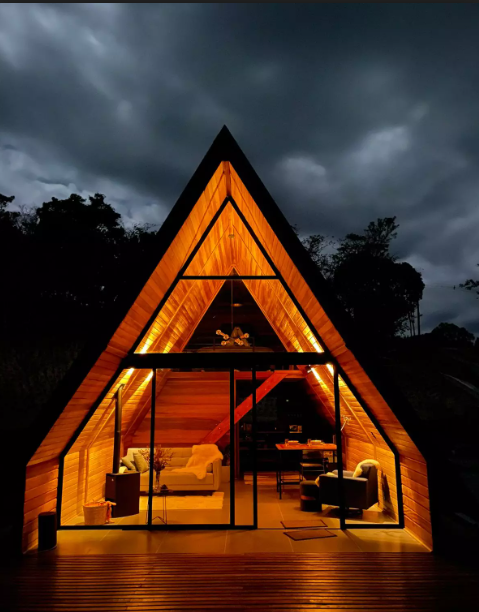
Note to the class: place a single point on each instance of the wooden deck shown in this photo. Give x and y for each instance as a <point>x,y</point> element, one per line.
<point>286,582</point>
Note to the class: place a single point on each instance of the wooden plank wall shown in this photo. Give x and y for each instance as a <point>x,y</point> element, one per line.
<point>189,407</point>
<point>84,477</point>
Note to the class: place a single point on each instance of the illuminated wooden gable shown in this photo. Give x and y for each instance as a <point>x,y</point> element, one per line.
<point>224,223</point>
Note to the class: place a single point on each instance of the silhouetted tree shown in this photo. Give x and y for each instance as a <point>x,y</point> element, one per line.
<point>379,293</point>
<point>471,285</point>
<point>316,245</point>
<point>453,335</point>
<point>62,266</point>
<point>67,259</point>
<point>375,241</point>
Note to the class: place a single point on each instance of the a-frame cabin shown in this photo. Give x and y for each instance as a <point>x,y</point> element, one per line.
<point>225,225</point>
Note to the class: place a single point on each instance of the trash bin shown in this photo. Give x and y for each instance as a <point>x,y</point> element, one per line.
<point>47,530</point>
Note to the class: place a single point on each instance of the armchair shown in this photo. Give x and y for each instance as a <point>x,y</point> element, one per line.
<point>360,492</point>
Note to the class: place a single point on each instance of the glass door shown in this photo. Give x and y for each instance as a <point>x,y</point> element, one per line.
<point>190,444</point>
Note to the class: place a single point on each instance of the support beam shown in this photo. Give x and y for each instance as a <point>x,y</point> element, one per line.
<point>224,360</point>
<point>117,439</point>
<point>245,406</point>
<point>229,277</point>
<point>212,377</point>
<point>339,445</point>
<point>152,444</point>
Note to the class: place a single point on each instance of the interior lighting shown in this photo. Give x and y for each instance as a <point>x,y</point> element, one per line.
<point>330,368</point>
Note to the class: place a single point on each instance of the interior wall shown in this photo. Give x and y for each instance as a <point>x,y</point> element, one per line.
<point>188,408</point>
<point>84,477</point>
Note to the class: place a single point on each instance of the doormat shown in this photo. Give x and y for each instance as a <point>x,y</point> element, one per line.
<point>186,502</point>
<point>309,534</point>
<point>303,523</point>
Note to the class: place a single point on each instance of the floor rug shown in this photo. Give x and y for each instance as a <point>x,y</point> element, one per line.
<point>303,523</point>
<point>186,502</point>
<point>309,534</point>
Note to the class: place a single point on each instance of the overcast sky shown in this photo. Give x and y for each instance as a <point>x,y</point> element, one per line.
<point>347,112</point>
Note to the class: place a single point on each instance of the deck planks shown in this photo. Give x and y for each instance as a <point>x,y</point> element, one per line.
<point>282,581</point>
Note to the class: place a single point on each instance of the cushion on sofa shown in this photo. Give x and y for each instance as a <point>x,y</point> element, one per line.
<point>140,462</point>
<point>179,456</point>
<point>128,464</point>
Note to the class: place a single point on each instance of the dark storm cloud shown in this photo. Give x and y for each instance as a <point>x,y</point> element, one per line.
<point>348,112</point>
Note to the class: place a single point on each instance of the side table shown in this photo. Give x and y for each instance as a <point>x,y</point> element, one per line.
<point>162,493</point>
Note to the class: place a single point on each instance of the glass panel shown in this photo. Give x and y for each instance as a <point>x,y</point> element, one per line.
<point>96,469</point>
<point>369,476</point>
<point>230,315</point>
<point>192,488</point>
<point>234,322</point>
<point>320,461</point>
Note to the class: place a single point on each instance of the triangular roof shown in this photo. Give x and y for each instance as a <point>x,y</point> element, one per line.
<point>225,197</point>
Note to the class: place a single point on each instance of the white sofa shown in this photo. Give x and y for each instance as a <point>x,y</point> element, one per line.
<point>182,481</point>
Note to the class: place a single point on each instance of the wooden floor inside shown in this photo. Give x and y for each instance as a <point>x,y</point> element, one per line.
<point>286,582</point>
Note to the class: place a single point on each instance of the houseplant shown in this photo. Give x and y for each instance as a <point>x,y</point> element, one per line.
<point>161,458</point>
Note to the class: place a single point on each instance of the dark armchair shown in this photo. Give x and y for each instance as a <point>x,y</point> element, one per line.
<point>360,492</point>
